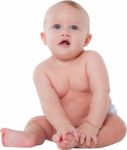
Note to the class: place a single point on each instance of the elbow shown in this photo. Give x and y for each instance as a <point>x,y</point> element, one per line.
<point>107,101</point>
<point>103,100</point>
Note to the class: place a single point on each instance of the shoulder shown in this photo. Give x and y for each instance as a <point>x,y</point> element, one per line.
<point>41,69</point>
<point>94,61</point>
<point>91,54</point>
<point>93,57</point>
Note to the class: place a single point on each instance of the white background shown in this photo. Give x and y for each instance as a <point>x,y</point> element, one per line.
<point>21,49</point>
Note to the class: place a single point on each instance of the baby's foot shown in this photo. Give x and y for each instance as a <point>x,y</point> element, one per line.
<point>12,138</point>
<point>68,142</point>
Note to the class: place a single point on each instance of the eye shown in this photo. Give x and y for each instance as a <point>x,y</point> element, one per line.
<point>56,26</point>
<point>74,27</point>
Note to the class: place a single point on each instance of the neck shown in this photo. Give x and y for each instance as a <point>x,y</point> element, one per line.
<point>66,61</point>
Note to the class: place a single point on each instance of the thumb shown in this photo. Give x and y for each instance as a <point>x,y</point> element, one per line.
<point>56,138</point>
<point>76,135</point>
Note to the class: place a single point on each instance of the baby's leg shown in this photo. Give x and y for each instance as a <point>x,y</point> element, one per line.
<point>113,130</point>
<point>36,131</point>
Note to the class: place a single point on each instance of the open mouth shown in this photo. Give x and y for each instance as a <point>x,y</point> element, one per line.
<point>64,43</point>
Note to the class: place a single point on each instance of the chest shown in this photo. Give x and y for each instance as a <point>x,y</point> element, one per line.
<point>73,77</point>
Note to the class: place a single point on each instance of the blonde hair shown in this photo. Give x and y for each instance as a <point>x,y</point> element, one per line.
<point>73,4</point>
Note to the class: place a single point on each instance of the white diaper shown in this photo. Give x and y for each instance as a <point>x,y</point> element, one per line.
<point>112,109</point>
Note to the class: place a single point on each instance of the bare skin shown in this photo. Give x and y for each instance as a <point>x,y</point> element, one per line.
<point>73,88</point>
<point>70,89</point>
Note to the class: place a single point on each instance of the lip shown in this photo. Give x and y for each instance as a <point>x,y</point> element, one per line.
<point>65,43</point>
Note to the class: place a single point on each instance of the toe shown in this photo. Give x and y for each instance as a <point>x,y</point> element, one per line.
<point>3,136</point>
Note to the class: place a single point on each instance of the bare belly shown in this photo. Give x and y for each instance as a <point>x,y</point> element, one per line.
<point>76,106</point>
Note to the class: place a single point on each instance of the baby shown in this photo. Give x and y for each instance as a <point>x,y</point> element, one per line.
<point>73,88</point>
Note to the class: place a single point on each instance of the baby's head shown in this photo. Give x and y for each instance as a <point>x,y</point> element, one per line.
<point>60,7</point>
<point>66,26</point>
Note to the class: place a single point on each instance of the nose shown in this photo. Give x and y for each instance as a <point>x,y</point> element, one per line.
<point>65,33</point>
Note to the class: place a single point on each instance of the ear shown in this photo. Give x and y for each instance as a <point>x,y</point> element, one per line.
<point>88,39</point>
<point>43,37</point>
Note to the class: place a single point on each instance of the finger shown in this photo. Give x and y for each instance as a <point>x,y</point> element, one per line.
<point>55,138</point>
<point>94,138</point>
<point>64,136</point>
<point>63,145</point>
<point>76,135</point>
<point>58,138</point>
<point>59,145</point>
<point>82,138</point>
<point>88,141</point>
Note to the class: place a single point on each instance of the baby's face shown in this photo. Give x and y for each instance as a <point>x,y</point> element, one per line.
<point>65,31</point>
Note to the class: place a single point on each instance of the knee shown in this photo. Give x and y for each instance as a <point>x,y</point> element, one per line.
<point>37,119</point>
<point>42,124</point>
<point>121,129</point>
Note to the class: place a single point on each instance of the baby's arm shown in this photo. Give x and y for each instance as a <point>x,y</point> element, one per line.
<point>51,104</point>
<point>99,86</point>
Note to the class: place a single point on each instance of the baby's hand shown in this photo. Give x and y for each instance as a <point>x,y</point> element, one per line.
<point>87,133</point>
<point>63,131</point>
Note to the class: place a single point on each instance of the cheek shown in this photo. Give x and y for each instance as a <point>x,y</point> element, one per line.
<point>83,39</point>
<point>79,41</point>
<point>51,38</point>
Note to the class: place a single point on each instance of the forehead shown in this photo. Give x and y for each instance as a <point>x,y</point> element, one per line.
<point>65,12</point>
